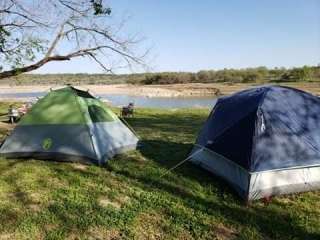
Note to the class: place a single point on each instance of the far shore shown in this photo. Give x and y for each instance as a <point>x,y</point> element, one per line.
<point>171,90</point>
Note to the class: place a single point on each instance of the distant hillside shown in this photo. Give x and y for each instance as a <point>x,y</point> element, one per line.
<point>248,75</point>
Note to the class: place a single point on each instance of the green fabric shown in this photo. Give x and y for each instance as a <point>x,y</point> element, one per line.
<point>65,106</point>
<point>97,111</point>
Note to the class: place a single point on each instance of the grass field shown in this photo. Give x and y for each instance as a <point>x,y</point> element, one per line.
<point>128,199</point>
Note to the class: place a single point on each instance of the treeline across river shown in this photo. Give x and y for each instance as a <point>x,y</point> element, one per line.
<point>247,75</point>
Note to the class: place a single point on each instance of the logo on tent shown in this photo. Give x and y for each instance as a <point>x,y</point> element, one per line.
<point>47,143</point>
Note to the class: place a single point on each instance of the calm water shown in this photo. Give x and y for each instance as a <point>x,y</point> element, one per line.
<point>139,101</point>
<point>22,95</point>
<point>158,102</point>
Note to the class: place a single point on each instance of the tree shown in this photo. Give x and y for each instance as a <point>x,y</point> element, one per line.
<point>301,74</point>
<point>35,32</point>
<point>306,76</point>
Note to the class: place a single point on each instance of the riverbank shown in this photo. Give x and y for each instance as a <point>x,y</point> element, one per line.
<point>168,90</point>
<point>174,90</point>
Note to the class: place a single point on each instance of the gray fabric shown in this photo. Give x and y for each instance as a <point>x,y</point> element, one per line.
<point>97,141</point>
<point>270,183</point>
<point>66,139</point>
<point>110,137</point>
<point>116,151</point>
<point>222,167</point>
<point>253,186</point>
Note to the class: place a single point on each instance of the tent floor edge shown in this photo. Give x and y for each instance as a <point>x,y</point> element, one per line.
<point>58,157</point>
<point>281,182</point>
<point>236,176</point>
<point>117,151</point>
<point>256,185</point>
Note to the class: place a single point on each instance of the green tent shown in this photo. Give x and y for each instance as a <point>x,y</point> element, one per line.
<point>69,124</point>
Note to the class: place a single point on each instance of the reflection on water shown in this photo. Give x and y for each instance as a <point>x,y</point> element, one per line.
<point>139,101</point>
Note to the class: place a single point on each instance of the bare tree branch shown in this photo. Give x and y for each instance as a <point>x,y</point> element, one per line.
<point>60,30</point>
<point>55,41</point>
<point>25,17</point>
<point>100,63</point>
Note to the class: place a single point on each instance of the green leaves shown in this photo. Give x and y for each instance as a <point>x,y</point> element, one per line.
<point>4,34</point>
<point>20,52</point>
<point>99,9</point>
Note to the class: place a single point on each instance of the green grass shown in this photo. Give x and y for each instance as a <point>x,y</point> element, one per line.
<point>128,199</point>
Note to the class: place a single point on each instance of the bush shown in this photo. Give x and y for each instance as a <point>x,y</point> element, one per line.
<point>247,75</point>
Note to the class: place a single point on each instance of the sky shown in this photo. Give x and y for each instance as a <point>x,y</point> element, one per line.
<point>189,35</point>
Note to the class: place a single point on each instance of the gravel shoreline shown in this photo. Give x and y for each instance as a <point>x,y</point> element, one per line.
<point>175,90</point>
<point>170,90</point>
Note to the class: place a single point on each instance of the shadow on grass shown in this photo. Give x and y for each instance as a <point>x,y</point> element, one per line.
<point>270,222</point>
<point>79,215</point>
<point>224,202</point>
<point>168,122</point>
<point>169,154</point>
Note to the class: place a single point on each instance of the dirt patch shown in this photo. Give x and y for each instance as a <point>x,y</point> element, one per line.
<point>106,202</point>
<point>55,183</point>
<point>123,200</point>
<point>184,235</point>
<point>222,232</point>
<point>79,166</point>
<point>117,202</point>
<point>6,236</point>
<point>31,201</point>
<point>50,227</point>
<point>35,207</point>
<point>7,126</point>
<point>150,226</point>
<point>100,233</point>
<point>36,197</point>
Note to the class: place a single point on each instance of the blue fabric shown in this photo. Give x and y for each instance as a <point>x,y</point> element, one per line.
<point>265,128</point>
<point>288,133</point>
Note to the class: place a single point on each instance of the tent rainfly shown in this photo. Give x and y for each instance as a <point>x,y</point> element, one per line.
<point>69,124</point>
<point>264,141</point>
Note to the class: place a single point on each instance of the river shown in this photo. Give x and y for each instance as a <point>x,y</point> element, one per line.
<point>118,100</point>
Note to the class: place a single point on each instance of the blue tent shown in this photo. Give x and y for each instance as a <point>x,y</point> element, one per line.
<point>265,141</point>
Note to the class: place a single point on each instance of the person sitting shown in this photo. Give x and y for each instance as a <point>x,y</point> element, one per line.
<point>13,114</point>
<point>128,111</point>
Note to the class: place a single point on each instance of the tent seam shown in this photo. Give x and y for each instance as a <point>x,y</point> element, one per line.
<point>234,122</point>
<point>254,172</point>
<point>255,125</point>
<point>85,123</point>
<point>203,126</point>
